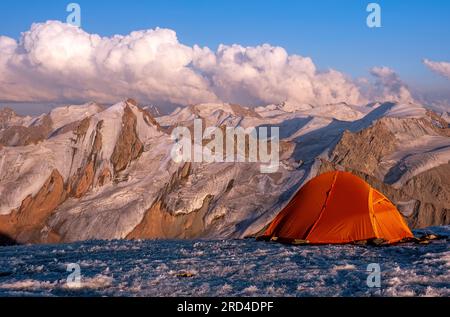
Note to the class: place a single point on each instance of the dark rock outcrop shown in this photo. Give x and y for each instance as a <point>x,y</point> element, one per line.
<point>21,135</point>
<point>25,225</point>
<point>128,146</point>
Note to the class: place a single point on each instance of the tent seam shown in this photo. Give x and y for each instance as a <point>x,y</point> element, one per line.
<point>372,213</point>
<point>324,206</point>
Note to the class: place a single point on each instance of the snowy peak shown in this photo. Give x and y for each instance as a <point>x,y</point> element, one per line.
<point>339,111</point>
<point>63,116</point>
<point>345,112</point>
<point>445,116</point>
<point>8,118</point>
<point>406,110</point>
<point>214,114</point>
<point>153,110</point>
<point>7,115</point>
<point>291,107</point>
<point>207,109</point>
<point>90,146</point>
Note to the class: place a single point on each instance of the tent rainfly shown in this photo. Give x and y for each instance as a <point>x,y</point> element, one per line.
<point>338,207</point>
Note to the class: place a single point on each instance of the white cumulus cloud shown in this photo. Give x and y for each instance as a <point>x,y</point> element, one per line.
<point>389,86</point>
<point>54,61</point>
<point>441,68</point>
<point>267,74</point>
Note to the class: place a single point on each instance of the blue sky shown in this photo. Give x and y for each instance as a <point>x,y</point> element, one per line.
<point>333,33</point>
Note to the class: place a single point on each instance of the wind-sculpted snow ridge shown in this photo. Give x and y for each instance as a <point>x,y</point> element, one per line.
<point>225,268</point>
<point>92,172</point>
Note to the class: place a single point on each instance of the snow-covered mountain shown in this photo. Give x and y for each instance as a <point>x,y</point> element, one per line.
<point>90,172</point>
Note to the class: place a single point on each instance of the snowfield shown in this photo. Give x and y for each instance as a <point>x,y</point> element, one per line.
<point>225,268</point>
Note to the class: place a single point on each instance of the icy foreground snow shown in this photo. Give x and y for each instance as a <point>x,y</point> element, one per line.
<point>225,268</point>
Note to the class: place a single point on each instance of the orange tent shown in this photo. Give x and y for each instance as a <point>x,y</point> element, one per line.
<point>338,207</point>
